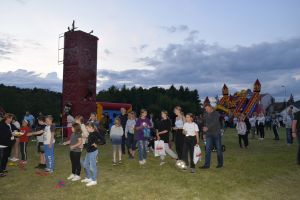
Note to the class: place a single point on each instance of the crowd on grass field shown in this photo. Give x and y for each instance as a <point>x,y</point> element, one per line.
<point>139,134</point>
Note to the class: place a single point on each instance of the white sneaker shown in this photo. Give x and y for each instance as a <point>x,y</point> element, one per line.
<point>86,180</point>
<point>91,183</point>
<point>76,178</point>
<point>141,162</point>
<point>71,176</point>
<point>162,163</point>
<point>144,161</point>
<point>14,159</point>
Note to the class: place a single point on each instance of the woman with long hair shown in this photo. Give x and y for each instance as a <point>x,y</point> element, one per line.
<point>178,131</point>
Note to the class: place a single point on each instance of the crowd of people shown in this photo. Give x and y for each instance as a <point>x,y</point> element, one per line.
<point>130,133</point>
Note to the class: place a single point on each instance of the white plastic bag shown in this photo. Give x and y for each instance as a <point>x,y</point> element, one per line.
<point>159,148</point>
<point>197,154</point>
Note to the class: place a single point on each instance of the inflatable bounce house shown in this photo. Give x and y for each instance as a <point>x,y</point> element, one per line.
<point>245,101</point>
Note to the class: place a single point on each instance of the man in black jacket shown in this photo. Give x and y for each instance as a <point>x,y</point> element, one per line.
<point>7,140</point>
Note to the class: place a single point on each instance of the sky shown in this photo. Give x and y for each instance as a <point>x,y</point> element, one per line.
<point>198,44</point>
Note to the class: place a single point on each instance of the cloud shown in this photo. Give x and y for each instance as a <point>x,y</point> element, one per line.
<point>198,65</point>
<point>107,52</point>
<point>29,79</point>
<point>7,46</point>
<point>206,67</point>
<point>174,29</point>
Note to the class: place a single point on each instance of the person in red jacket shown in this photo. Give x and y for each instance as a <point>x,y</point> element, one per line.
<point>24,141</point>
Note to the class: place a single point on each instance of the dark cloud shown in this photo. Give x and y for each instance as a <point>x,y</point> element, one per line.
<point>198,65</point>
<point>7,47</point>
<point>29,79</point>
<point>107,52</point>
<point>174,29</point>
<point>206,67</point>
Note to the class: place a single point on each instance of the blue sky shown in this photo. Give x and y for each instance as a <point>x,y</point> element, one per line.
<point>199,44</point>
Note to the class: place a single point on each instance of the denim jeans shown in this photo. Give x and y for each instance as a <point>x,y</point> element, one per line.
<point>142,145</point>
<point>289,138</point>
<point>49,156</point>
<point>90,166</point>
<point>212,140</point>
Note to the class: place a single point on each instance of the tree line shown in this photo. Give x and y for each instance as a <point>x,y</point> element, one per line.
<point>154,99</point>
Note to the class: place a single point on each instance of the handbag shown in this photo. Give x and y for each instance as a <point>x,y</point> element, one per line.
<point>147,132</point>
<point>159,148</point>
<point>197,154</point>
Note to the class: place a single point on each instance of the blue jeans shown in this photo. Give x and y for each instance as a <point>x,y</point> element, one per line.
<point>142,150</point>
<point>289,138</point>
<point>90,166</point>
<point>49,156</point>
<point>211,141</point>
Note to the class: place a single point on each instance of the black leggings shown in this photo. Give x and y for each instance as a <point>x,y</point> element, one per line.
<point>23,150</point>
<point>244,138</point>
<point>75,160</point>
<point>261,129</point>
<point>179,140</point>
<point>4,158</point>
<point>188,149</point>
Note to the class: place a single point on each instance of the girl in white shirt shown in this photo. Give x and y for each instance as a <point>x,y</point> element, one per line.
<point>116,133</point>
<point>177,131</point>
<point>190,130</point>
<point>241,130</point>
<point>261,125</point>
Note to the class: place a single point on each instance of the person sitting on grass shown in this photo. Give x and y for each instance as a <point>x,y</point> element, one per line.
<point>75,143</point>
<point>116,133</point>
<point>89,162</point>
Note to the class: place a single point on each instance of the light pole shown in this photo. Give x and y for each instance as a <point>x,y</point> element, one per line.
<point>285,97</point>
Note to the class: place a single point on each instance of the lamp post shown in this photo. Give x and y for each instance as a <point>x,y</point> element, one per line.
<point>285,97</point>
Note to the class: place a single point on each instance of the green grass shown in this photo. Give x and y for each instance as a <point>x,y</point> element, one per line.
<point>266,170</point>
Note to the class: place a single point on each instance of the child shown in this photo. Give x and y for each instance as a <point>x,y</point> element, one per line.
<point>163,133</point>
<point>191,139</point>
<point>116,133</point>
<point>49,143</point>
<point>75,143</point>
<point>40,141</point>
<point>79,119</point>
<point>24,141</point>
<point>241,130</point>
<point>142,126</point>
<point>90,158</point>
<point>129,134</point>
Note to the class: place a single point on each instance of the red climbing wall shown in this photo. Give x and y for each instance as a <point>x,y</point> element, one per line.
<point>80,72</point>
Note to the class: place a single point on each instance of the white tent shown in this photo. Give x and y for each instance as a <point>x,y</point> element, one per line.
<point>285,111</point>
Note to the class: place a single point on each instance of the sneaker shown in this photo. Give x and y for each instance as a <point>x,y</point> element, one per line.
<point>144,161</point>
<point>162,163</point>
<point>86,180</point>
<point>120,162</point>
<point>38,166</point>
<point>14,159</point>
<point>219,166</point>
<point>71,176</point>
<point>91,183</point>
<point>193,170</point>
<point>76,178</point>
<point>114,163</point>
<point>141,162</point>
<point>2,175</point>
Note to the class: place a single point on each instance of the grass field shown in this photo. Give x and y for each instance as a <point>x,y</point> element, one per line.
<point>266,170</point>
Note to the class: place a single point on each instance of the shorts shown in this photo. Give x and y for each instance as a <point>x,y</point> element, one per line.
<point>40,147</point>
